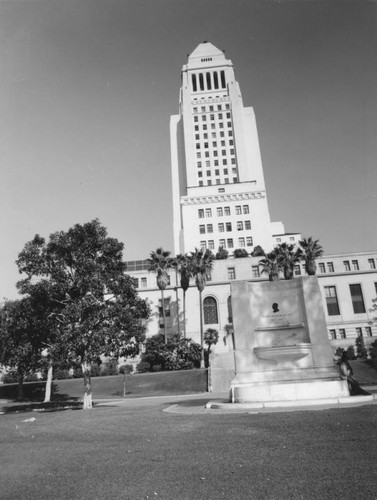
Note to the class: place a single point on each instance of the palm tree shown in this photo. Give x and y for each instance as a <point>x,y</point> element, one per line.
<point>201,265</point>
<point>182,263</point>
<point>159,262</point>
<point>288,256</point>
<point>311,250</point>
<point>271,266</point>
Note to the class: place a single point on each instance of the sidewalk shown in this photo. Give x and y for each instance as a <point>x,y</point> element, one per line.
<point>191,404</point>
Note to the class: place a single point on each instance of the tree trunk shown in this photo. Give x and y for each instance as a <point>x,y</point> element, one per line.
<point>85,366</point>
<point>201,330</point>
<point>311,267</point>
<point>184,313</point>
<point>20,389</point>
<point>288,273</point>
<point>48,383</point>
<point>178,326</point>
<point>163,315</point>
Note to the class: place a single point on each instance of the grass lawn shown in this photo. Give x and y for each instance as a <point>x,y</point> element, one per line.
<point>143,384</point>
<point>136,451</point>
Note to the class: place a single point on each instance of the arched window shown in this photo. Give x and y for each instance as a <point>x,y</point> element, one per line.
<point>230,313</point>
<point>210,311</point>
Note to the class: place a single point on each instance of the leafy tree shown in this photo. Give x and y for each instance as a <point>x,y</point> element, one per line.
<point>21,332</point>
<point>160,263</point>
<point>240,252</point>
<point>312,250</point>
<point>183,265</point>
<point>222,253</point>
<point>360,348</point>
<point>92,302</point>
<point>258,252</point>
<point>271,266</point>
<point>288,256</point>
<point>201,266</point>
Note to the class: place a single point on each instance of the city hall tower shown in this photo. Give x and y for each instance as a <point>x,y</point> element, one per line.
<point>219,193</point>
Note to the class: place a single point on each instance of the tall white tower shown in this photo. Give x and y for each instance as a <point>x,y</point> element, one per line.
<point>219,194</point>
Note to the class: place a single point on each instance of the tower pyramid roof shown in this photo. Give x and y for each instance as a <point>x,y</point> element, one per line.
<point>206,55</point>
<point>206,49</point>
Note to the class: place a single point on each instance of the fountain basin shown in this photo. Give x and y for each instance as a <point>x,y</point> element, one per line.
<point>282,354</point>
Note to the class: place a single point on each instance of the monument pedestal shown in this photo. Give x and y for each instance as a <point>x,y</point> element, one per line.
<point>282,351</point>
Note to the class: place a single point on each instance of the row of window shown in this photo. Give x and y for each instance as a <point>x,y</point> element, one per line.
<point>227,243</point>
<point>217,171</point>
<point>210,80</point>
<point>208,182</point>
<point>352,265</point>
<point>214,126</point>
<point>333,304</point>
<point>341,333</point>
<point>221,211</point>
<point>211,108</point>
<point>213,134</point>
<point>227,226</point>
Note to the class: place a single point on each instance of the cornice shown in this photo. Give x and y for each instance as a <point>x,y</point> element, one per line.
<point>216,198</point>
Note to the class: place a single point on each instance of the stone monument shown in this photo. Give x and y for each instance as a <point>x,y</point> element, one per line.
<point>282,351</point>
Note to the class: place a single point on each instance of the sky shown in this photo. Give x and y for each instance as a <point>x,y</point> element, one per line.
<point>87,89</point>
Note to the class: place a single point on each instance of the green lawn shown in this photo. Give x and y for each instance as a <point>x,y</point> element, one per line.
<point>136,451</point>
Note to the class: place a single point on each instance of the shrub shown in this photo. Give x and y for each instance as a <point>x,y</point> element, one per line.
<point>240,252</point>
<point>10,377</point>
<point>143,367</point>
<point>60,374</point>
<point>126,369</point>
<point>258,252</point>
<point>222,253</point>
<point>361,349</point>
<point>351,352</point>
<point>339,351</point>
<point>176,354</point>
<point>111,368</point>
<point>373,350</point>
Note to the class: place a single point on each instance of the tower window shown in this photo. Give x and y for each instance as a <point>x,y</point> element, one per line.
<point>249,241</point>
<point>222,77</point>
<point>201,81</point>
<point>215,80</point>
<point>247,225</point>
<point>246,209</point>
<point>193,79</point>
<point>227,210</point>
<point>208,76</point>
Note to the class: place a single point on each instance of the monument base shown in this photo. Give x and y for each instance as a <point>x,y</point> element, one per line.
<point>277,391</point>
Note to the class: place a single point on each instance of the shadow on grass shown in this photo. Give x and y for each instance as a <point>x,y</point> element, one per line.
<point>33,392</point>
<point>45,407</point>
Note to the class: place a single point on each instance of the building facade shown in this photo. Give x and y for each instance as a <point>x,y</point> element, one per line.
<point>348,283</point>
<point>219,193</point>
<point>219,200</point>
